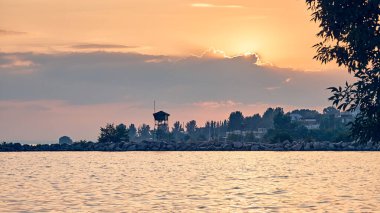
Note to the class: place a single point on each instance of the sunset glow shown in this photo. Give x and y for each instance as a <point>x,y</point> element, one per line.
<point>279,31</point>
<point>94,55</point>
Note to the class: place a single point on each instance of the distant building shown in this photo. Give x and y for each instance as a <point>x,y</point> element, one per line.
<point>295,117</point>
<point>310,123</point>
<point>346,117</point>
<point>258,134</point>
<point>65,140</point>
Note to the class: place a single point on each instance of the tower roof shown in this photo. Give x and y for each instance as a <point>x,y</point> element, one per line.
<point>161,116</point>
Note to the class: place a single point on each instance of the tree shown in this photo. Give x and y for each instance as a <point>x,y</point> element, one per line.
<point>267,119</point>
<point>191,127</point>
<point>307,113</point>
<point>132,131</point>
<point>351,36</point>
<point>177,131</point>
<point>177,127</point>
<point>112,134</point>
<point>235,121</point>
<point>144,131</point>
<point>121,133</point>
<point>252,122</point>
<point>330,111</point>
<point>282,121</point>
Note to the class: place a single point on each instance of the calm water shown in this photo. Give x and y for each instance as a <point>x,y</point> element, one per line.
<point>190,181</point>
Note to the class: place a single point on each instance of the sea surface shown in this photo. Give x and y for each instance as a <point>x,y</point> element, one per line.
<point>190,182</point>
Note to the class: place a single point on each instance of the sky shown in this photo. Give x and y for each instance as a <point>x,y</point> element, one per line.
<point>68,67</point>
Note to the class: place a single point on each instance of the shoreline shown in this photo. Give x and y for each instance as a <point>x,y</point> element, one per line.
<point>193,146</point>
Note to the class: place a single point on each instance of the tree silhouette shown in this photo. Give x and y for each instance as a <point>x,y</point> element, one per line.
<point>144,131</point>
<point>235,121</point>
<point>121,133</point>
<point>191,127</point>
<point>132,131</point>
<point>350,32</point>
<point>112,134</point>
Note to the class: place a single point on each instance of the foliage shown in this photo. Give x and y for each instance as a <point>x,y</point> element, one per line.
<point>252,122</point>
<point>234,137</point>
<point>144,131</point>
<point>177,131</point>
<point>112,134</point>
<point>132,131</point>
<point>235,121</point>
<point>191,127</point>
<point>278,136</point>
<point>283,128</point>
<point>307,113</point>
<point>267,118</point>
<point>351,36</point>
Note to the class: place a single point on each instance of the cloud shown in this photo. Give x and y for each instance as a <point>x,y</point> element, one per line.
<point>15,64</point>
<point>217,104</point>
<point>272,88</point>
<point>101,87</point>
<point>102,77</point>
<point>206,5</point>
<point>102,46</point>
<point>219,55</point>
<point>4,32</point>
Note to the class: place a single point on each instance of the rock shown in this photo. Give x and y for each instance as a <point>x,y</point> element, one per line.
<point>170,147</point>
<point>297,147</point>
<point>132,148</point>
<point>155,148</point>
<point>331,146</point>
<point>237,145</point>
<point>307,146</point>
<point>227,146</point>
<point>317,146</point>
<point>141,146</point>
<point>255,147</point>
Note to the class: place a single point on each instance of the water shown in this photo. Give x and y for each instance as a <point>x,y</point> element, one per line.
<point>190,181</point>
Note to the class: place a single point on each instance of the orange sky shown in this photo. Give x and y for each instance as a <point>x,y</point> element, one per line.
<point>71,66</point>
<point>279,31</point>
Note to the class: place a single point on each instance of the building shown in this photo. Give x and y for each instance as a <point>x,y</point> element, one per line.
<point>258,134</point>
<point>295,117</point>
<point>346,117</point>
<point>310,123</point>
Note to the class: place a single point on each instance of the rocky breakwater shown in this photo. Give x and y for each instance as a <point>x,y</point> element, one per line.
<point>235,146</point>
<point>239,146</point>
<point>198,146</point>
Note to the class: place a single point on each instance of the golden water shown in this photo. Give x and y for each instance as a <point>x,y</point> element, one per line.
<point>190,181</point>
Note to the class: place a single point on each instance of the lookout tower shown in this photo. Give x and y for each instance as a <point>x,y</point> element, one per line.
<point>161,119</point>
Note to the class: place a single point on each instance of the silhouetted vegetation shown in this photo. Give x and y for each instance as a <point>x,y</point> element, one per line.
<point>112,134</point>
<point>300,129</point>
<point>350,31</point>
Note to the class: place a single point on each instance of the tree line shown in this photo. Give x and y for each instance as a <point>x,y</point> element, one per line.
<point>277,124</point>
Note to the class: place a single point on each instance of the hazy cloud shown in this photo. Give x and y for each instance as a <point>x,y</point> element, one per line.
<point>102,46</point>
<point>206,5</point>
<point>4,32</point>
<point>101,77</point>
<point>217,104</point>
<point>101,87</point>
<point>9,61</point>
